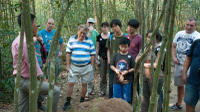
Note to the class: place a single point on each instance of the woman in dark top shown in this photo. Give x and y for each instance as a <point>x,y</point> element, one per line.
<point>101,56</point>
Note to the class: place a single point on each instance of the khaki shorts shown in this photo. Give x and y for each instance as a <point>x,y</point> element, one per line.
<point>178,75</point>
<point>83,72</point>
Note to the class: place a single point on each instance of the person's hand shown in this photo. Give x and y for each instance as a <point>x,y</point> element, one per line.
<point>121,78</point>
<point>184,77</point>
<point>40,39</point>
<point>34,39</point>
<point>90,28</point>
<point>147,65</point>
<point>124,72</point>
<point>117,71</point>
<point>175,60</point>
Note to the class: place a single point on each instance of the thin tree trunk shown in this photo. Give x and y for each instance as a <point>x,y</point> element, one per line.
<point>31,57</point>
<point>19,62</point>
<point>100,12</point>
<point>154,12</point>
<point>135,8</point>
<point>168,61</point>
<point>86,9</point>
<point>33,7</point>
<point>144,55</point>
<point>95,14</point>
<point>154,95</point>
<point>148,3</point>
<point>142,69</point>
<point>53,53</point>
<point>114,9</point>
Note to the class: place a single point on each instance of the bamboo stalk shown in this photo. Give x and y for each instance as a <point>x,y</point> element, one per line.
<point>19,62</point>
<point>144,55</point>
<point>31,57</point>
<point>53,54</point>
<point>168,73</point>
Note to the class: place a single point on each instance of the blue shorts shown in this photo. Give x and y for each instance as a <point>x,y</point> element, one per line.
<point>192,94</point>
<point>122,91</point>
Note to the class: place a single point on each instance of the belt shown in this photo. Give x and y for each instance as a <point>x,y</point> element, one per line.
<point>81,65</point>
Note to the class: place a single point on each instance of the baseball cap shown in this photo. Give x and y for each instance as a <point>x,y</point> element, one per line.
<point>90,20</point>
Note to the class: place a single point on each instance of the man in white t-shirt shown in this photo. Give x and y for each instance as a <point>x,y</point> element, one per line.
<point>181,44</point>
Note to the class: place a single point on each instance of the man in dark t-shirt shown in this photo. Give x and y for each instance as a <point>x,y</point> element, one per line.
<point>113,47</point>
<point>192,89</point>
<point>122,64</point>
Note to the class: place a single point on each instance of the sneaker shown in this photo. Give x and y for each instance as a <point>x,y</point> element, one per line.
<point>175,107</point>
<point>67,105</point>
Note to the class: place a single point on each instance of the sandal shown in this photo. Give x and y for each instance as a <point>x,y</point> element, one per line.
<point>86,98</point>
<point>101,94</point>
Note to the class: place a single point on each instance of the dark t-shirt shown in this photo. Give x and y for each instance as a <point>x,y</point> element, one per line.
<point>113,44</point>
<point>123,62</point>
<point>194,75</point>
<point>102,47</point>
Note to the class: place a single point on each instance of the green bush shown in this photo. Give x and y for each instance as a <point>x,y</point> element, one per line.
<point>6,77</point>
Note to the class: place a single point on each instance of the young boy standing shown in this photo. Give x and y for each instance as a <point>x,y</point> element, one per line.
<point>122,64</point>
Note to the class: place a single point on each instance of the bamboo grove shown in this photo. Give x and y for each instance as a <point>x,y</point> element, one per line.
<point>167,16</point>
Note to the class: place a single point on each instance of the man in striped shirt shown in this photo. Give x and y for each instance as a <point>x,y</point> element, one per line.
<point>80,60</point>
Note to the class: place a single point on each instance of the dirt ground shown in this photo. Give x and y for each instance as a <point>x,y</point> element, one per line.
<point>62,83</point>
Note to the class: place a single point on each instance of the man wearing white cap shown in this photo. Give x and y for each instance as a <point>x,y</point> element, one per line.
<point>92,33</point>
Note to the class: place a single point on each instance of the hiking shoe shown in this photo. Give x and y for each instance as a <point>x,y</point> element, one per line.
<point>67,105</point>
<point>42,108</point>
<point>175,107</point>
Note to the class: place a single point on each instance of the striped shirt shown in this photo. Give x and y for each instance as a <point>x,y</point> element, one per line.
<point>81,52</point>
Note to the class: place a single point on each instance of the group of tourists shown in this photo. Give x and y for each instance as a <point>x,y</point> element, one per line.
<point>115,53</point>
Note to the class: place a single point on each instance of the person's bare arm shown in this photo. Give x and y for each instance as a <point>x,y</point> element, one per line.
<point>186,66</point>
<point>97,48</point>
<point>92,60</point>
<point>175,60</point>
<point>108,56</point>
<point>125,72</point>
<point>60,50</point>
<point>68,61</point>
<point>117,71</point>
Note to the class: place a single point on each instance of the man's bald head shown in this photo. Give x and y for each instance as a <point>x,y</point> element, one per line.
<point>50,24</point>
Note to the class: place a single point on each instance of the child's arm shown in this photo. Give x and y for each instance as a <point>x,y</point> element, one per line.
<point>117,71</point>
<point>125,72</point>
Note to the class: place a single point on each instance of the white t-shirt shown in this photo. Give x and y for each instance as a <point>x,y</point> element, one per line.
<point>183,41</point>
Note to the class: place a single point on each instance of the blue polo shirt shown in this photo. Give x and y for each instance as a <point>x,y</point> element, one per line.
<point>47,38</point>
<point>194,75</point>
<point>81,52</point>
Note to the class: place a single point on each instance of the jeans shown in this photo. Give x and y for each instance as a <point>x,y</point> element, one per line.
<point>122,91</point>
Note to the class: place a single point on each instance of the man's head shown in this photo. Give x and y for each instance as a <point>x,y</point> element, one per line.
<point>104,27</point>
<point>90,22</point>
<point>190,25</point>
<point>82,31</point>
<point>116,25</point>
<point>33,20</point>
<point>124,45</point>
<point>133,25</point>
<point>50,24</point>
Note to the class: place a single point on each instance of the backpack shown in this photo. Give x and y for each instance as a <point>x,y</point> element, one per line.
<point>43,52</point>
